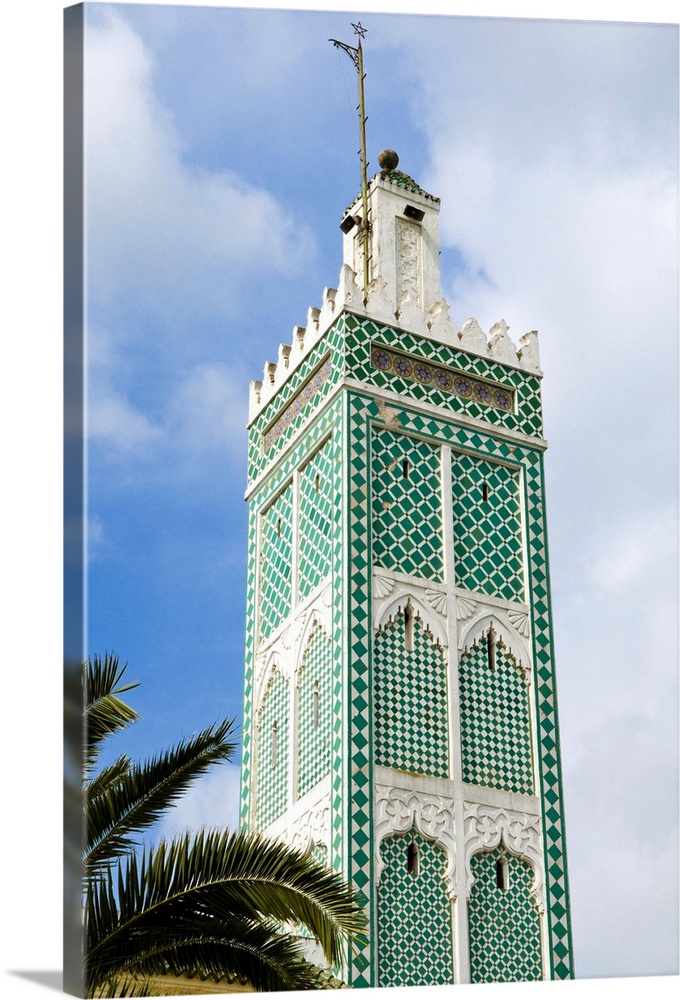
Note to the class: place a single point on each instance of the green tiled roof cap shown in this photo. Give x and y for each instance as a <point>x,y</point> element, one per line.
<point>399,178</point>
<point>403,180</point>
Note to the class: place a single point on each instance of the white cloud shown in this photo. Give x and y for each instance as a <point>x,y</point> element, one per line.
<point>113,419</point>
<point>203,415</point>
<point>177,239</point>
<point>634,551</point>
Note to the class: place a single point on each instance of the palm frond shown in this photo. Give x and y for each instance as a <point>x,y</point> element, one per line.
<point>104,713</point>
<point>224,877</point>
<point>143,792</point>
<point>107,778</point>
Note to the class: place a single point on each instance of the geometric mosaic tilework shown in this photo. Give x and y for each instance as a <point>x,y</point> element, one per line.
<point>415,941</point>
<point>496,448</point>
<point>410,701</point>
<point>407,505</point>
<point>487,527</point>
<point>275,562</point>
<point>525,416</point>
<point>328,420</point>
<point>561,956</point>
<point>247,748</point>
<point>316,501</point>
<point>271,792</point>
<point>314,711</point>
<point>504,924</point>
<point>351,795</point>
<point>356,586</point>
<point>495,729</point>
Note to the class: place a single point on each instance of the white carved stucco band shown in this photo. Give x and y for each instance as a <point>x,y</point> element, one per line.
<point>486,826</point>
<point>398,809</point>
<point>310,828</point>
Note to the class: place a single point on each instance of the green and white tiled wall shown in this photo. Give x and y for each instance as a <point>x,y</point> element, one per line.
<point>359,481</point>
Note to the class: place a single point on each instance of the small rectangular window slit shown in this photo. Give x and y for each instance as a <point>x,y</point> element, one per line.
<point>275,739</point>
<point>485,492</point>
<point>491,648</point>
<point>315,704</point>
<point>278,528</point>
<point>408,628</point>
<point>413,859</point>
<point>405,468</point>
<point>317,483</point>
<point>502,874</point>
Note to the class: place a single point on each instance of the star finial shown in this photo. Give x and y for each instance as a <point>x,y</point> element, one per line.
<point>359,29</point>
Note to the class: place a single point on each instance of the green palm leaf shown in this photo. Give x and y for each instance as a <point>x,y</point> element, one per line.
<point>223,894</point>
<point>209,906</point>
<point>104,713</point>
<point>135,797</point>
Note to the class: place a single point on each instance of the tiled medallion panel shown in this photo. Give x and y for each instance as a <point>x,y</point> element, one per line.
<point>415,939</point>
<point>504,924</point>
<point>495,727</point>
<point>410,701</point>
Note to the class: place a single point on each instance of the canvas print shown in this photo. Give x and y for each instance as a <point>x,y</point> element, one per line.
<point>366,685</point>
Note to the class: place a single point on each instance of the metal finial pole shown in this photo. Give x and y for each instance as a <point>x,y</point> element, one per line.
<point>357,57</point>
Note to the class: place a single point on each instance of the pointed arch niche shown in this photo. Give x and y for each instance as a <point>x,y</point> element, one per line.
<point>313,694</point>
<point>494,674</point>
<point>410,688</point>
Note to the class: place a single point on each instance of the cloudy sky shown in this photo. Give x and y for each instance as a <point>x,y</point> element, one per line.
<point>221,152</point>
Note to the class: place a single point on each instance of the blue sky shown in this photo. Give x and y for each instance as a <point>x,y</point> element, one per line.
<point>221,154</point>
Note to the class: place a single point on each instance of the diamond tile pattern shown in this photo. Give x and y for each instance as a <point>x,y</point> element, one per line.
<point>248,707</point>
<point>317,495</point>
<point>272,752</point>
<point>487,527</point>
<point>410,702</point>
<point>314,711</point>
<point>407,505</point>
<point>415,942</point>
<point>276,550</point>
<point>359,774</point>
<point>504,924</point>
<point>495,727</point>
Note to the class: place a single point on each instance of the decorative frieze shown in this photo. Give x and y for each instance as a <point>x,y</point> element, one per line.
<point>414,369</point>
<point>297,404</point>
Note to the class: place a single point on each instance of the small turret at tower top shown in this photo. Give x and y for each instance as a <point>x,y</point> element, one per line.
<point>404,239</point>
<point>400,287</point>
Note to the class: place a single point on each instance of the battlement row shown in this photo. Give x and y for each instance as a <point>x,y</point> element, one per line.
<point>436,324</point>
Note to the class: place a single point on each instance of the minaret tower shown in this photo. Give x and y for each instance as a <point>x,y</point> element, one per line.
<point>400,714</point>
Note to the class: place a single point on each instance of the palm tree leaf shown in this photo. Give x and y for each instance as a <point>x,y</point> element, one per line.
<point>145,791</point>
<point>104,713</point>
<point>224,877</point>
<point>107,778</point>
